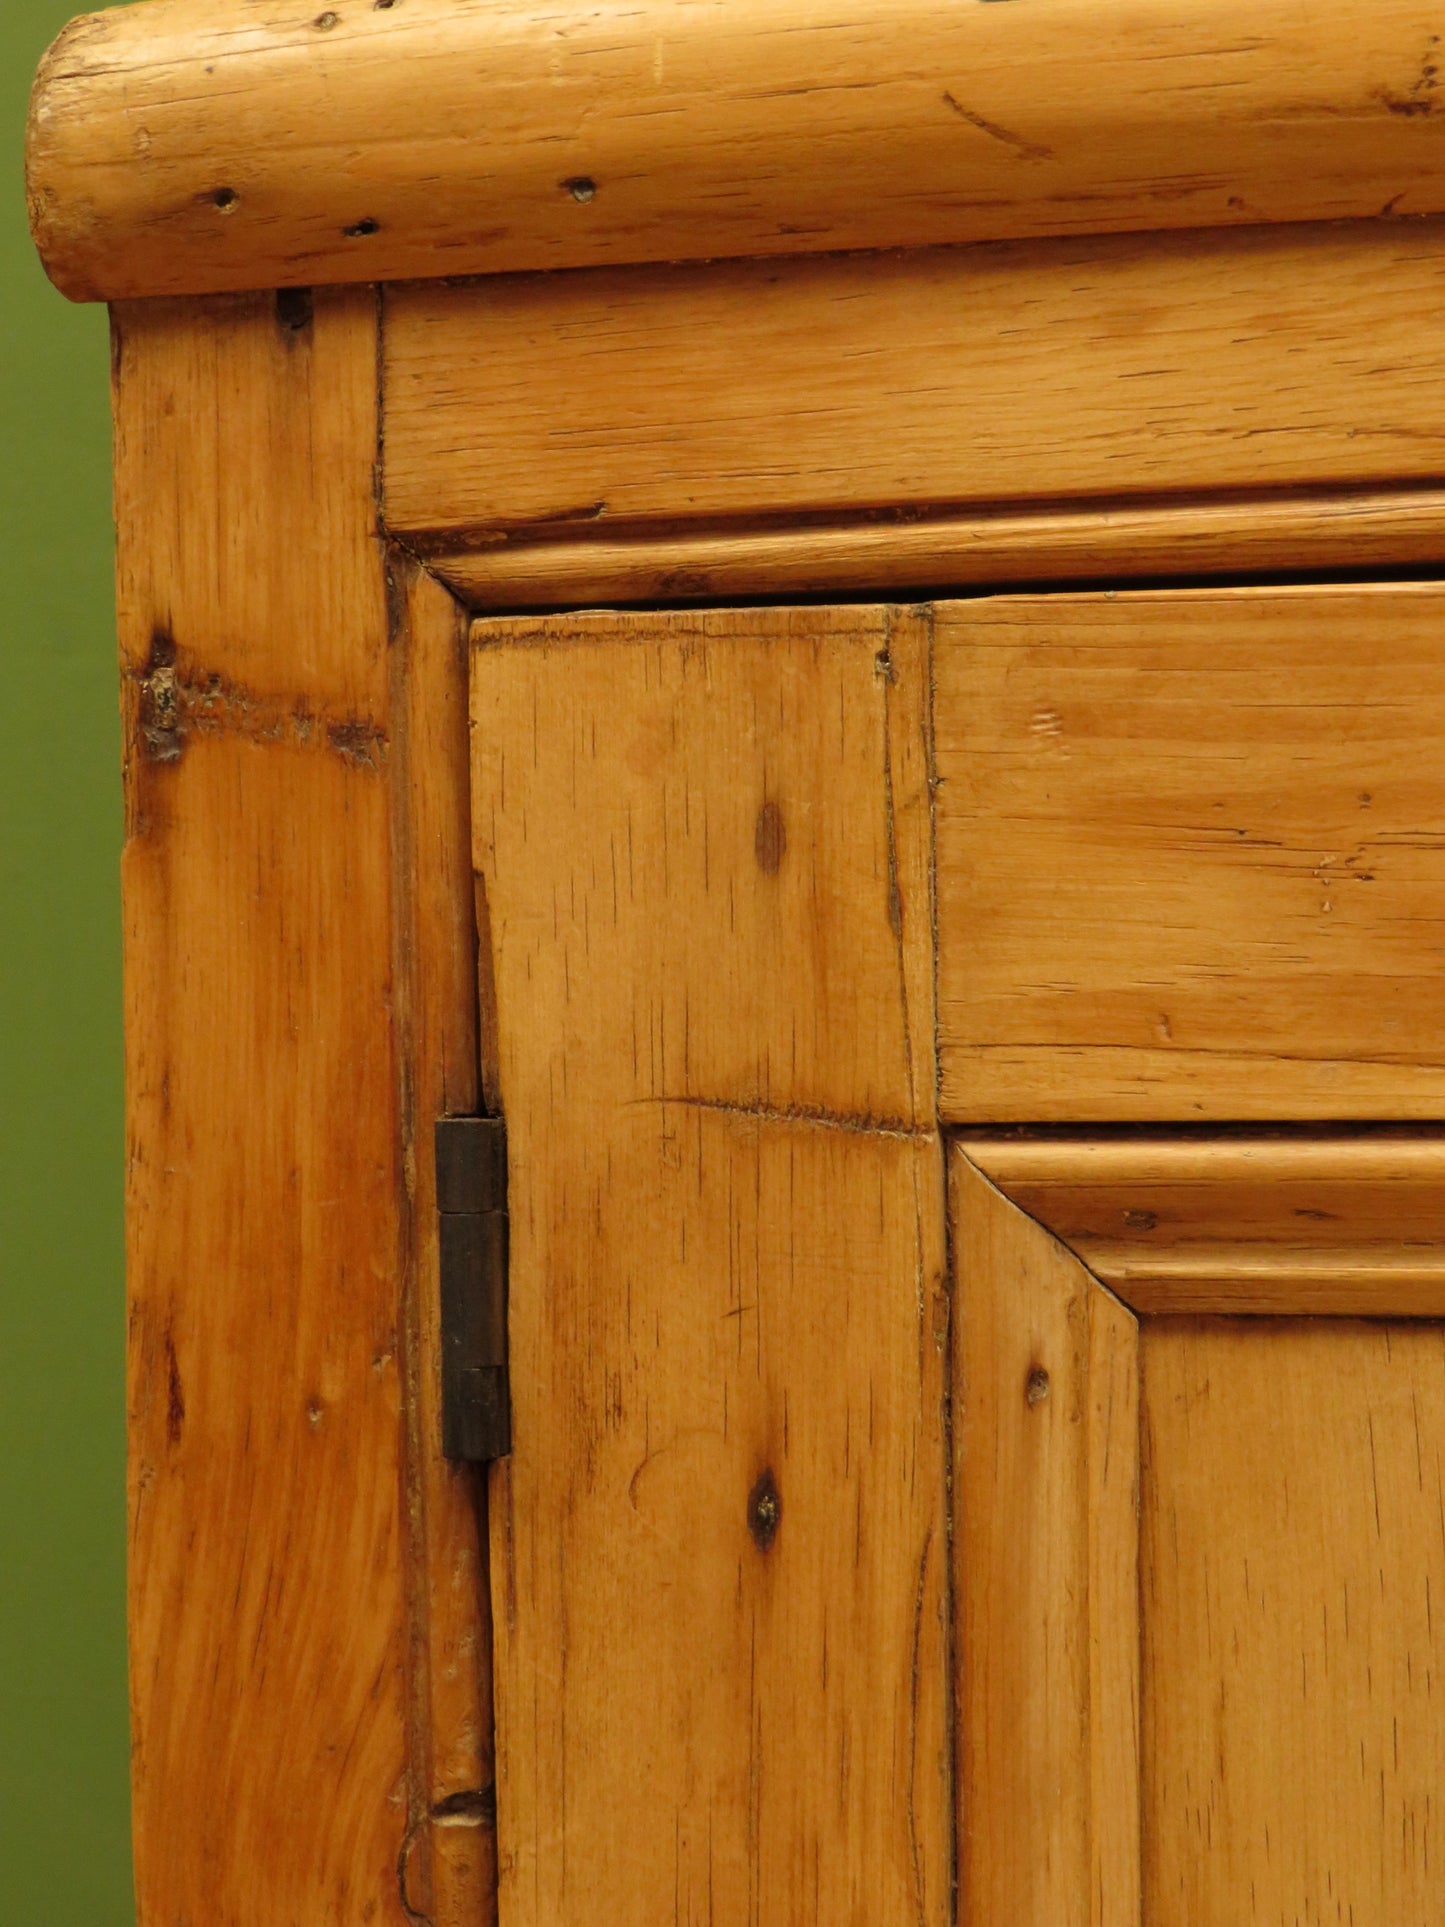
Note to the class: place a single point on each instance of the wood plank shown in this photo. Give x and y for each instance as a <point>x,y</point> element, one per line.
<point>1123,540</point>
<point>287,1664</point>
<point>720,1544</point>
<point>1191,852</point>
<point>933,380</point>
<point>1046,1464</point>
<point>451,1865</point>
<point>1293,1566</point>
<point>1285,1225</point>
<point>189,146</point>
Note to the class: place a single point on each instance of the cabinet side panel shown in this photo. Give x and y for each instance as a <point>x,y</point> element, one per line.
<point>720,1543</point>
<point>1046,1475</point>
<point>268,1594</point>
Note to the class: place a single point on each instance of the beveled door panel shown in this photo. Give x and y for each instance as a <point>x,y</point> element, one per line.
<point>1285,1499</point>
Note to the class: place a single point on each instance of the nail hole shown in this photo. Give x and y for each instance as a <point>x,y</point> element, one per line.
<point>225,198</point>
<point>1037,1388</point>
<point>361,229</point>
<point>581,187</point>
<point>1140,1220</point>
<point>383,6</point>
<point>765,1512</point>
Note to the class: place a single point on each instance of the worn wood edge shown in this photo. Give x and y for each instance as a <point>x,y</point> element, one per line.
<point>204,684</point>
<point>1371,1255</point>
<point>448,1869</point>
<point>184,147</point>
<point>1328,529</point>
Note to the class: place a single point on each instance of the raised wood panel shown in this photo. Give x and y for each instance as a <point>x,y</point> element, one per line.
<point>1101,368</point>
<point>1293,1566</point>
<point>720,1543</point>
<point>1263,1224</point>
<point>1045,1474</point>
<point>1191,855</point>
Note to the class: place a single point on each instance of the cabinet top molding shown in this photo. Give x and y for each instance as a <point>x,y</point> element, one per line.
<point>199,146</point>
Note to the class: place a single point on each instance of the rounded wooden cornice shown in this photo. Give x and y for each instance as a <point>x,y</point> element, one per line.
<point>197,146</point>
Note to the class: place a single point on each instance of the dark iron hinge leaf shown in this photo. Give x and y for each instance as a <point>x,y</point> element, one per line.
<point>471,1168</point>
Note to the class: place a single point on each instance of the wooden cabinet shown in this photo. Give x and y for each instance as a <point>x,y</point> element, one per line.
<point>839,616</point>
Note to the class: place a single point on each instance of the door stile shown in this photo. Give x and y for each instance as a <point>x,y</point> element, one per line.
<point>720,1569</point>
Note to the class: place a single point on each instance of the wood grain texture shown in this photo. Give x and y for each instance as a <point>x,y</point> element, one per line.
<point>287,1664</point>
<point>1290,1225</point>
<point>187,147</point>
<point>1046,1466</point>
<point>450,1868</point>
<point>1293,1566</point>
<point>986,376</point>
<point>720,1544</point>
<point>1296,532</point>
<point>1191,852</point>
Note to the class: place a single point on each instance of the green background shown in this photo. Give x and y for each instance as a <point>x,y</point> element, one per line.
<point>64,1824</point>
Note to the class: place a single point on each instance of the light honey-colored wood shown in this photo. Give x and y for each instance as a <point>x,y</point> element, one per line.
<point>1296,532</point>
<point>1191,855</point>
<point>720,1558</point>
<point>185,146</point>
<point>1046,1489</point>
<point>1293,1566</point>
<point>450,1872</point>
<point>1333,1225</point>
<point>1141,364</point>
<point>309,1680</point>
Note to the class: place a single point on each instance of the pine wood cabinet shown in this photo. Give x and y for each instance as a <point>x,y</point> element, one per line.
<point>837,613</point>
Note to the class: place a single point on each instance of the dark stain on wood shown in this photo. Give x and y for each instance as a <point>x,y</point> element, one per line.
<point>770,839</point>
<point>175,1394</point>
<point>179,700</point>
<point>294,311</point>
<point>765,1511</point>
<point>162,732</point>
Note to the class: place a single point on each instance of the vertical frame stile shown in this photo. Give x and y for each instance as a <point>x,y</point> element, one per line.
<point>448,1869</point>
<point>310,1687</point>
<point>268,1612</point>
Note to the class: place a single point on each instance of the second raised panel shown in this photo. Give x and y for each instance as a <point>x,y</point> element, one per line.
<point>1191,854</point>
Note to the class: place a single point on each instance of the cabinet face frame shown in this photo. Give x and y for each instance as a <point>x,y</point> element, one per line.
<point>294,672</point>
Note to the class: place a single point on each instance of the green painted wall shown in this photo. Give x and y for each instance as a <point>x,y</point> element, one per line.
<point>64,1825</point>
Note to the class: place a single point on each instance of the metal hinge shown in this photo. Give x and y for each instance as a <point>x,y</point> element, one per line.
<point>471,1166</point>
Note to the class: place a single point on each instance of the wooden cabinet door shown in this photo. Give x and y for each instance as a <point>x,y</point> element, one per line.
<point>720,1544</point>
<point>960,1471</point>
